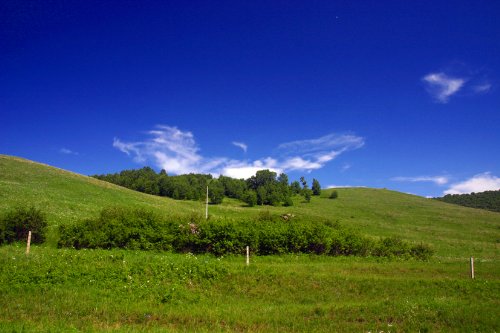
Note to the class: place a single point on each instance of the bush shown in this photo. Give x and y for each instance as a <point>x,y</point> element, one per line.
<point>15,225</point>
<point>118,227</point>
<point>288,202</point>
<point>266,234</point>
<point>334,195</point>
<point>250,198</point>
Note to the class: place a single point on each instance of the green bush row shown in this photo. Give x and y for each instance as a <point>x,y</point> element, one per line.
<point>139,229</point>
<point>16,223</point>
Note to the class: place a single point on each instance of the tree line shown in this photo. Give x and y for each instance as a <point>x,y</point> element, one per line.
<point>489,200</point>
<point>266,187</point>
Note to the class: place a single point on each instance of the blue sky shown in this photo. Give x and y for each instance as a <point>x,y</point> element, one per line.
<point>395,94</point>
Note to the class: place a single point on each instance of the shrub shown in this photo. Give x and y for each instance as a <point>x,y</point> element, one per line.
<point>118,227</point>
<point>288,202</point>
<point>250,198</point>
<point>334,195</point>
<point>15,225</point>
<point>421,251</point>
<point>267,234</point>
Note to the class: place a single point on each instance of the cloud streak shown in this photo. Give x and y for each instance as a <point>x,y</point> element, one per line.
<point>241,145</point>
<point>441,86</point>
<point>478,183</point>
<point>438,180</point>
<point>177,152</point>
<point>482,88</point>
<point>67,151</point>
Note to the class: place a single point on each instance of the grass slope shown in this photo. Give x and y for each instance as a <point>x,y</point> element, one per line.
<point>453,231</point>
<point>65,290</point>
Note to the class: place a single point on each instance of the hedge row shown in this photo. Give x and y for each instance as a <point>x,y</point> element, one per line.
<point>139,229</point>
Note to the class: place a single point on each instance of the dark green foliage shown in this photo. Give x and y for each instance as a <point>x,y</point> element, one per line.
<point>268,234</point>
<point>396,247</point>
<point>334,194</point>
<point>306,192</point>
<point>295,187</point>
<point>15,224</point>
<point>250,198</point>
<point>118,227</point>
<point>267,188</point>
<point>288,202</point>
<point>270,190</point>
<point>316,187</point>
<point>146,180</point>
<point>233,188</point>
<point>216,192</point>
<point>489,200</point>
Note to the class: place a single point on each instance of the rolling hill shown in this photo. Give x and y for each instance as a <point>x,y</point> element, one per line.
<point>135,291</point>
<point>453,231</point>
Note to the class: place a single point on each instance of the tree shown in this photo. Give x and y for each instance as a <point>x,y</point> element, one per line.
<point>295,187</point>
<point>303,181</point>
<point>233,188</point>
<point>306,192</point>
<point>334,195</point>
<point>316,187</point>
<point>250,198</point>
<point>216,192</point>
<point>261,195</point>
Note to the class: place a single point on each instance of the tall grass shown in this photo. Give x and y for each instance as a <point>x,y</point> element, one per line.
<point>116,290</point>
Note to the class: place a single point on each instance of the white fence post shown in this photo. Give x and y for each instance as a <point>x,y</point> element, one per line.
<point>248,255</point>
<point>471,267</point>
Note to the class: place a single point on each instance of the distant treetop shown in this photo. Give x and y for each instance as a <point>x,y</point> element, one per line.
<point>489,200</point>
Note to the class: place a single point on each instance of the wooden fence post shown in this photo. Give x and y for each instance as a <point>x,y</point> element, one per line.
<point>248,255</point>
<point>29,243</point>
<point>471,267</point>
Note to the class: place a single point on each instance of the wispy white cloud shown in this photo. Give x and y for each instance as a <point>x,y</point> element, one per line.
<point>168,147</point>
<point>441,86</point>
<point>242,145</point>
<point>482,88</point>
<point>67,151</point>
<point>478,183</point>
<point>176,151</point>
<point>331,143</point>
<point>345,167</point>
<point>438,180</point>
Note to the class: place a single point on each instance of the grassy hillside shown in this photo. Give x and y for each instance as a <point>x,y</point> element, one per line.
<point>453,231</point>
<point>66,290</point>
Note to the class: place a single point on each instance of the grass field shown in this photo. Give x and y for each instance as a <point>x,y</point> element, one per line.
<point>117,290</point>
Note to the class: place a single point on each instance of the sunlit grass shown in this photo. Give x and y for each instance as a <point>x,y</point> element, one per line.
<point>64,290</point>
<point>97,290</point>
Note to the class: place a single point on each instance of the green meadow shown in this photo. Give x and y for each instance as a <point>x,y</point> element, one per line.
<point>67,290</point>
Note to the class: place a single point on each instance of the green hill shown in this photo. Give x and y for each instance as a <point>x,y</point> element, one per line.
<point>68,290</point>
<point>453,231</point>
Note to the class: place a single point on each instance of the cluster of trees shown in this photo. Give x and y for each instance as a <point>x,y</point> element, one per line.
<point>265,188</point>
<point>489,200</point>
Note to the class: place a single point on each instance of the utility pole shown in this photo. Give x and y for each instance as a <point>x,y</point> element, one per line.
<point>206,206</point>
